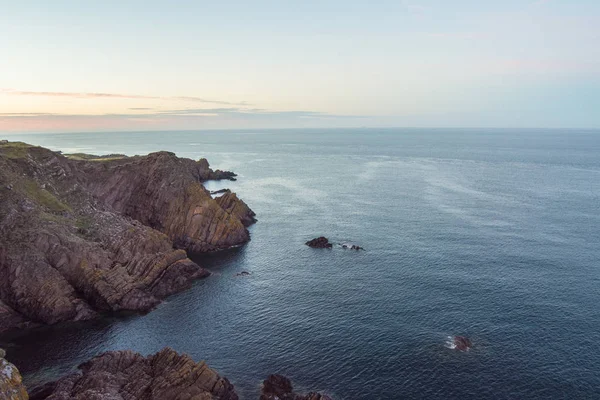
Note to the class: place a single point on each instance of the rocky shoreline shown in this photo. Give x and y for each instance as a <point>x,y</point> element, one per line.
<point>80,237</point>
<point>129,375</point>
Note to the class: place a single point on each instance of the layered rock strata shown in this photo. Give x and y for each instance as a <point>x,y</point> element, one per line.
<point>128,375</point>
<point>79,237</point>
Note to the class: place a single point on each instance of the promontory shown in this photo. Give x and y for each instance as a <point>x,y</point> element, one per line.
<point>83,235</point>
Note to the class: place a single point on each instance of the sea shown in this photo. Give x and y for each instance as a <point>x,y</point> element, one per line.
<point>493,234</point>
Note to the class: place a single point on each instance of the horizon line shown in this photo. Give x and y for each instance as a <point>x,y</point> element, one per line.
<point>295,129</point>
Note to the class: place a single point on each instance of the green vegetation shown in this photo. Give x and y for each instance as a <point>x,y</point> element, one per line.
<point>34,192</point>
<point>14,150</point>
<point>91,157</point>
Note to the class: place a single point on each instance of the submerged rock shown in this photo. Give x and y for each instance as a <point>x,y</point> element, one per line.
<point>319,243</point>
<point>278,387</point>
<point>243,273</point>
<point>80,237</point>
<point>352,246</point>
<point>11,382</point>
<point>165,375</point>
<point>462,343</point>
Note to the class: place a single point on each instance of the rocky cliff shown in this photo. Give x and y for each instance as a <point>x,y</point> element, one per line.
<point>165,375</point>
<point>83,236</point>
<point>11,385</point>
<point>128,375</point>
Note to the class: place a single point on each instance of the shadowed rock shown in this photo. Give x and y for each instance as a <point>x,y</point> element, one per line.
<point>319,243</point>
<point>462,343</point>
<point>79,237</point>
<point>165,375</point>
<point>220,191</point>
<point>278,387</point>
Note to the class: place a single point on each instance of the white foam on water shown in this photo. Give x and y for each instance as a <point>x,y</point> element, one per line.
<point>450,343</point>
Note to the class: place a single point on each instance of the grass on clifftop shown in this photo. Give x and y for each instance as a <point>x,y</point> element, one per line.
<point>91,157</point>
<point>14,150</point>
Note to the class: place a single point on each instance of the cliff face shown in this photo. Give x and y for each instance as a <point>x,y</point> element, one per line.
<point>78,237</point>
<point>11,385</point>
<point>165,192</point>
<point>165,375</point>
<point>128,375</point>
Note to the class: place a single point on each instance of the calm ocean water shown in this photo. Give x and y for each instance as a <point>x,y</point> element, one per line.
<point>494,234</point>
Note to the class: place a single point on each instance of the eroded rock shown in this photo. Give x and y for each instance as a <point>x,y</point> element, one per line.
<point>79,237</point>
<point>165,375</point>
<point>278,387</point>
<point>319,243</point>
<point>11,382</point>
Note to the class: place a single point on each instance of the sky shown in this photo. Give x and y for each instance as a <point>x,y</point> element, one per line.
<point>123,65</point>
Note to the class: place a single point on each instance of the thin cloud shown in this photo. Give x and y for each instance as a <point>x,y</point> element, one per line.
<point>193,112</point>
<point>96,95</point>
<point>456,35</point>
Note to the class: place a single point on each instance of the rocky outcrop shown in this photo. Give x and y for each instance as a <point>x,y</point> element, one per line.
<point>11,383</point>
<point>165,192</point>
<point>236,206</point>
<point>81,237</point>
<point>165,375</point>
<point>278,387</point>
<point>319,243</point>
<point>215,175</point>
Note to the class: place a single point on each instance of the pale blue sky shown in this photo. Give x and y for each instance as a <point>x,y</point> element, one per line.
<point>103,65</point>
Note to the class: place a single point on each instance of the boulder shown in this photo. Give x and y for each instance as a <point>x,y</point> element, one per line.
<point>319,243</point>
<point>165,375</point>
<point>462,343</point>
<point>11,382</point>
<point>278,387</point>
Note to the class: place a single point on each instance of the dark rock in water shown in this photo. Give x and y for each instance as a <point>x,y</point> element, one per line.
<point>319,243</point>
<point>220,191</point>
<point>80,237</point>
<point>243,273</point>
<point>278,387</point>
<point>462,343</point>
<point>128,375</point>
<point>352,246</point>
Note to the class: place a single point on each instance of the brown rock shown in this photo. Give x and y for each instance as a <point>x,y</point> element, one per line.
<point>77,237</point>
<point>235,206</point>
<point>11,382</point>
<point>165,375</point>
<point>165,192</point>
